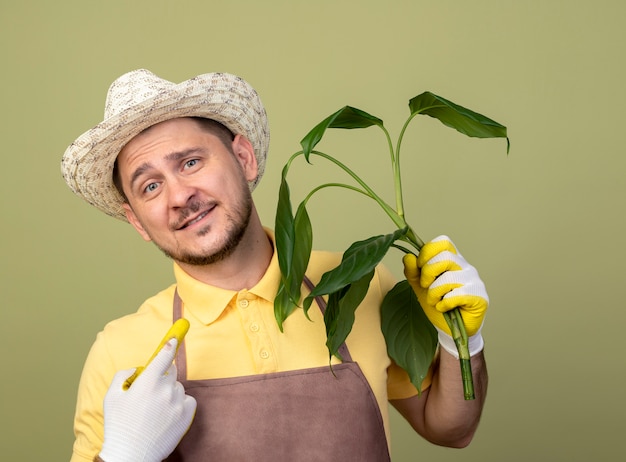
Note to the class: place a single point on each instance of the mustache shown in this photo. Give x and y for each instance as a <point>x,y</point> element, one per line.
<point>189,210</point>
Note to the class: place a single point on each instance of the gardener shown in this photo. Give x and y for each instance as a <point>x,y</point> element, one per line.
<point>179,162</point>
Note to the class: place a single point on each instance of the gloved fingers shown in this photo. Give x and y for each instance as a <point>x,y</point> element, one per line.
<point>437,291</point>
<point>473,309</point>
<point>464,290</point>
<point>471,304</point>
<point>181,405</point>
<point>188,409</point>
<point>464,282</point>
<point>439,265</point>
<point>147,421</point>
<point>176,389</point>
<point>439,244</point>
<point>171,371</point>
<point>120,377</point>
<point>162,362</point>
<point>432,269</point>
<point>170,376</point>
<point>180,422</point>
<point>411,270</point>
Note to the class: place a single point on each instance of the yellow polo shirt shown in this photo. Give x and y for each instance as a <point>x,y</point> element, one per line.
<point>235,334</point>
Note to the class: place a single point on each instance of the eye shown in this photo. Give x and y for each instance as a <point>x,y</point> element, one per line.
<point>151,187</point>
<point>191,163</point>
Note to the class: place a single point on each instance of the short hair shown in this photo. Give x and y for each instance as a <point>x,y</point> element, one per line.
<point>209,125</point>
<point>218,129</point>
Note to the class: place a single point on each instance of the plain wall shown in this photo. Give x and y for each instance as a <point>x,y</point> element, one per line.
<point>544,225</point>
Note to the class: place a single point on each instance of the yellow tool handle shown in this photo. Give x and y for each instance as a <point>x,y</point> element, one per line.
<point>178,331</point>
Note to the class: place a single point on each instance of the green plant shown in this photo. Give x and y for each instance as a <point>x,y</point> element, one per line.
<point>411,339</point>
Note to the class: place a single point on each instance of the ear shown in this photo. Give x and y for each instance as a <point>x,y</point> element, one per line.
<point>244,153</point>
<point>133,220</point>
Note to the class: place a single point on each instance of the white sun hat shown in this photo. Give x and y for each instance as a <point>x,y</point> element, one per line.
<point>140,99</point>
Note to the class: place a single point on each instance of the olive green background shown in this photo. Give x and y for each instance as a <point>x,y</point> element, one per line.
<point>544,225</point>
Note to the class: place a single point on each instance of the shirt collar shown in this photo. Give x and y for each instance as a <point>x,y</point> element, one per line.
<point>208,302</point>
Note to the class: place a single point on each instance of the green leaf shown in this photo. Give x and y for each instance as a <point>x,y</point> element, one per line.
<point>285,235</point>
<point>411,338</point>
<point>339,314</point>
<point>283,305</point>
<point>284,227</point>
<point>302,247</point>
<point>464,120</point>
<point>360,258</point>
<point>346,117</point>
<point>294,241</point>
<point>304,242</point>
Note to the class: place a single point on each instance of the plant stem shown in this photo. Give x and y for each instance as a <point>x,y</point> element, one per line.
<point>395,217</point>
<point>397,177</point>
<point>457,327</point>
<point>414,239</point>
<point>337,185</point>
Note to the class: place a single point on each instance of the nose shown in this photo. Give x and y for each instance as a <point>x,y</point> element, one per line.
<point>180,192</point>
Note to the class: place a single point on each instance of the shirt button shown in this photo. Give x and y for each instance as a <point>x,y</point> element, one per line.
<point>264,354</point>
<point>254,327</point>
<point>243,303</point>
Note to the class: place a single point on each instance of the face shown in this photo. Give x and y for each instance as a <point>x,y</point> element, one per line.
<point>187,191</point>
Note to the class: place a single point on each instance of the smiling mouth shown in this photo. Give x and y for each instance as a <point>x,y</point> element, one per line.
<point>195,220</point>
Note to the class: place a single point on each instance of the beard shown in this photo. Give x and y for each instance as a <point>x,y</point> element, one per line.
<point>237,222</point>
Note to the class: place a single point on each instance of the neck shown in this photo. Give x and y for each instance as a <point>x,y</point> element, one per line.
<point>242,269</point>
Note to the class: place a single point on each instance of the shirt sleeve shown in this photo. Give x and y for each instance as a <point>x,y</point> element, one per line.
<point>97,374</point>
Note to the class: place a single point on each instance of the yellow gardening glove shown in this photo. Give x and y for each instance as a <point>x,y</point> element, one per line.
<point>442,280</point>
<point>145,423</point>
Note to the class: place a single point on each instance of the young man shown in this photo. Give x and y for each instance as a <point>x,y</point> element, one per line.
<point>179,162</point>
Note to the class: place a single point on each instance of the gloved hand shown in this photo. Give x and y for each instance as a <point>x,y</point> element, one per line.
<point>442,280</point>
<point>146,422</point>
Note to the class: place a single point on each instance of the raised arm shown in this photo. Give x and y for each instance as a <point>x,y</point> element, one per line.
<point>442,280</point>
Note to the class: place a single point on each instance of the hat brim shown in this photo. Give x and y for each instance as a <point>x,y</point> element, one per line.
<point>88,162</point>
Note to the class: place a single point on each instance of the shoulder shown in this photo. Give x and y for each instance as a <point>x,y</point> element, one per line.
<point>127,340</point>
